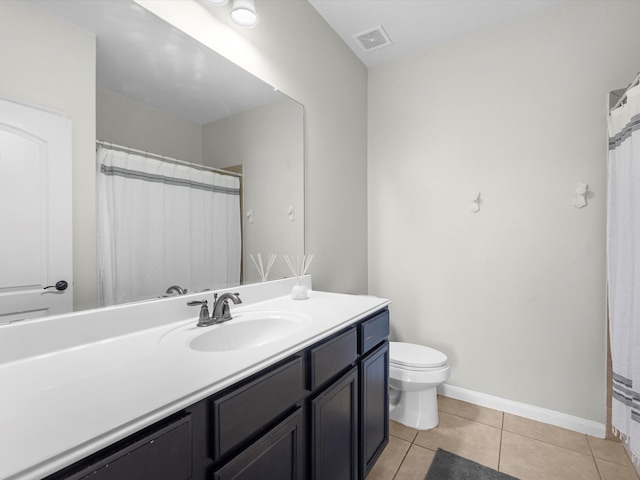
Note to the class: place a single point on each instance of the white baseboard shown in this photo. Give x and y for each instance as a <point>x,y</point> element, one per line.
<point>531,412</point>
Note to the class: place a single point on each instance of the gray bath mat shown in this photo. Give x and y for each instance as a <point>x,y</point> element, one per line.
<point>449,466</point>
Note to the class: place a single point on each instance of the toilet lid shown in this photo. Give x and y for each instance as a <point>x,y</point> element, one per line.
<point>415,356</point>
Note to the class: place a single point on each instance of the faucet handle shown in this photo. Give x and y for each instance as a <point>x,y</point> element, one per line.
<point>203,319</point>
<point>191,303</point>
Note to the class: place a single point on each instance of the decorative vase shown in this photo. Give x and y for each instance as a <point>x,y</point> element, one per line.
<point>299,292</point>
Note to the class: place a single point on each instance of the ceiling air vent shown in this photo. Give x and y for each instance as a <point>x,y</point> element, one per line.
<point>373,39</point>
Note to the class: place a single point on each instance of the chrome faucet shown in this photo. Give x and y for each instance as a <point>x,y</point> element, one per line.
<point>221,311</point>
<point>176,289</point>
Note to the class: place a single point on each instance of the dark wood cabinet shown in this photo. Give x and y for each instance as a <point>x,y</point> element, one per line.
<point>374,406</point>
<point>159,452</point>
<point>334,430</point>
<point>321,414</point>
<point>275,456</point>
<point>332,356</point>
<point>244,411</point>
<point>373,331</point>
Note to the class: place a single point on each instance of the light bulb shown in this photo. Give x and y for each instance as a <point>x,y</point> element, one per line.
<point>244,13</point>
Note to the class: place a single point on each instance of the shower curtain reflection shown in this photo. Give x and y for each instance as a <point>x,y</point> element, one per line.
<point>162,224</point>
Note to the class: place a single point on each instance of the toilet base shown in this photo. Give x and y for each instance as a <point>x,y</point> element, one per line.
<point>417,410</point>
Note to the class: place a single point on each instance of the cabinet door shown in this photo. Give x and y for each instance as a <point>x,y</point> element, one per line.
<point>275,456</point>
<point>334,430</point>
<point>374,406</point>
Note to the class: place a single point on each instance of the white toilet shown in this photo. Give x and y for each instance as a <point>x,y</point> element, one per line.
<point>414,373</point>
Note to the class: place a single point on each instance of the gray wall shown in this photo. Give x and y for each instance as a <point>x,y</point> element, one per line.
<point>49,63</point>
<point>268,142</point>
<point>514,294</point>
<point>127,122</point>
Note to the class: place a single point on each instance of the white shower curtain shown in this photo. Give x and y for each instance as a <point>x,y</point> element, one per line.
<point>623,260</point>
<point>162,224</point>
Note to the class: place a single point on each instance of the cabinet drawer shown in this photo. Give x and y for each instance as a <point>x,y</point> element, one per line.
<point>243,412</point>
<point>331,357</point>
<point>158,453</point>
<point>373,331</point>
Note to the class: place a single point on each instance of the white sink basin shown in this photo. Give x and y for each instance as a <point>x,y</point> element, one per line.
<point>246,330</point>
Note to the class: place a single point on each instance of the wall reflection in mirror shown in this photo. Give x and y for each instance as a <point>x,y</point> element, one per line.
<point>160,91</point>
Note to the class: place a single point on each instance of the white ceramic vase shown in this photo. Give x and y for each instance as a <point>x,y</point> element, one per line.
<point>299,292</point>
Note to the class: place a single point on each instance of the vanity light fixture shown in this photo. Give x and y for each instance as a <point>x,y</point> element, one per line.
<point>244,14</point>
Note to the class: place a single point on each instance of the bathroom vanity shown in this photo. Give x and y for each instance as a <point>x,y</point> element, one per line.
<point>313,404</point>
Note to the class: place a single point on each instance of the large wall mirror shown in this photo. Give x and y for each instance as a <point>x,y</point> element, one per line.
<point>160,91</point>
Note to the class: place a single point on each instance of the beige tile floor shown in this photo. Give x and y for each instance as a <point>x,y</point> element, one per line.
<point>526,449</point>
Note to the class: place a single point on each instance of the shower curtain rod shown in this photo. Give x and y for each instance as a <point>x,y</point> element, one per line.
<point>162,158</point>
<point>635,82</point>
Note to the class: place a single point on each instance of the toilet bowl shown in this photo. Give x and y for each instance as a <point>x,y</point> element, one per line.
<point>415,371</point>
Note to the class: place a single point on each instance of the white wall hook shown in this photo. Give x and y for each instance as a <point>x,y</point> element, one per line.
<point>580,195</point>
<point>250,216</point>
<point>475,202</point>
<point>292,213</point>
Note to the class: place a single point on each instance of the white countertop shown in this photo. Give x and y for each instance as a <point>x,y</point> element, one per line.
<point>62,405</point>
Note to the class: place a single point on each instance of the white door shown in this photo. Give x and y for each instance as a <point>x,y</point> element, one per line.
<point>35,212</point>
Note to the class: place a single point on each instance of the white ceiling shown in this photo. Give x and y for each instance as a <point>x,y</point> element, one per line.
<point>415,25</point>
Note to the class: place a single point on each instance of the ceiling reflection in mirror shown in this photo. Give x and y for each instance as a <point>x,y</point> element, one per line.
<point>160,91</point>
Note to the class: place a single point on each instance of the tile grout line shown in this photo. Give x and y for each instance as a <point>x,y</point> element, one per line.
<point>593,456</point>
<point>500,446</point>
<point>404,457</point>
